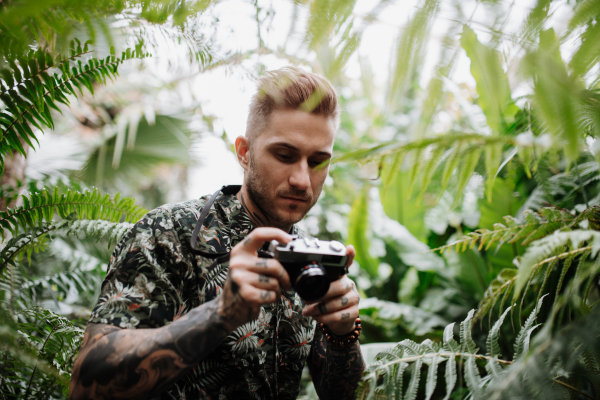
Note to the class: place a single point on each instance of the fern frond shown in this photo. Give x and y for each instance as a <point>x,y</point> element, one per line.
<point>493,347</point>
<point>325,16</point>
<point>384,378</point>
<point>500,286</point>
<point>41,207</point>
<point>33,240</point>
<point>548,249</point>
<point>535,225</point>
<point>473,377</point>
<point>466,341</point>
<point>410,49</point>
<point>29,91</point>
<point>522,339</point>
<point>98,229</point>
<point>449,343</point>
<point>25,242</point>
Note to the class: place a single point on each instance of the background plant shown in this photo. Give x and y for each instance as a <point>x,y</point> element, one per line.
<point>498,176</point>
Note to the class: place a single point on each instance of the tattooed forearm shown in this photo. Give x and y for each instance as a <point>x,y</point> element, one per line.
<point>137,363</point>
<point>335,371</point>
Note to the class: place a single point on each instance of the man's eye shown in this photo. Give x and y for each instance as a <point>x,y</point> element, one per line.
<point>284,157</point>
<point>315,163</point>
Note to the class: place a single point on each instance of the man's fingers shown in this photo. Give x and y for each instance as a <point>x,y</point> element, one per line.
<point>271,267</point>
<point>258,296</point>
<point>259,236</point>
<point>339,288</point>
<point>342,317</point>
<point>332,305</point>
<point>351,253</point>
<point>260,281</point>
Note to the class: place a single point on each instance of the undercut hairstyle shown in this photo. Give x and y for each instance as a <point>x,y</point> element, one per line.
<point>290,88</point>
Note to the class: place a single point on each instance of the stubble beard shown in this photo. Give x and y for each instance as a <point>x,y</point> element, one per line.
<point>258,188</point>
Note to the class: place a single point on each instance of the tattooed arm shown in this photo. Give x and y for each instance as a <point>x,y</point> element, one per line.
<point>336,371</point>
<point>117,363</point>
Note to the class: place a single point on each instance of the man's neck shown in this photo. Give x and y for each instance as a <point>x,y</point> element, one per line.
<point>257,217</point>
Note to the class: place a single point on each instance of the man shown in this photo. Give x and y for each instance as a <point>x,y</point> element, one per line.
<point>172,323</point>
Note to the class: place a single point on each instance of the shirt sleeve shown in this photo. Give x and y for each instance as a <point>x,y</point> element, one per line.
<point>144,284</point>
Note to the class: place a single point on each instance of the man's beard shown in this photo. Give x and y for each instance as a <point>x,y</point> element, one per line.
<point>258,188</point>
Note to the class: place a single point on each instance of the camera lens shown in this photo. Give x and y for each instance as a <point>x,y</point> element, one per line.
<point>312,283</point>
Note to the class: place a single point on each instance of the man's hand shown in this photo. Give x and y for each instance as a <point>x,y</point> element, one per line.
<point>338,309</point>
<point>252,281</point>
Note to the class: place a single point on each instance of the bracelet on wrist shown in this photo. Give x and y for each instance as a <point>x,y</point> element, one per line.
<point>345,340</point>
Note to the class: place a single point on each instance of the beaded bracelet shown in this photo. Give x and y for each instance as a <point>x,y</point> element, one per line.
<point>345,340</point>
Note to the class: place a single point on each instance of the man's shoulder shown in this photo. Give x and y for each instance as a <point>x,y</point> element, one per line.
<point>176,211</point>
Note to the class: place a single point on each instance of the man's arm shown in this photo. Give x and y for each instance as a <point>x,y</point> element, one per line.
<point>336,371</point>
<point>119,363</point>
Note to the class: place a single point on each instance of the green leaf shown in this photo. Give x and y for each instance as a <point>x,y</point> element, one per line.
<point>409,212</point>
<point>557,96</point>
<point>465,172</point>
<point>409,50</point>
<point>357,232</point>
<point>492,82</point>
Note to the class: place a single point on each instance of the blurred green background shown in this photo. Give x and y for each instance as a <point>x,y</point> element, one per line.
<point>456,114</point>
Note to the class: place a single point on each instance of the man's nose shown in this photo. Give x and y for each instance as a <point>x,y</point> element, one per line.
<point>300,177</point>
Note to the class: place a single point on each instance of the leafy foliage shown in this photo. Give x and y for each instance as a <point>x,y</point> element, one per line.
<point>385,377</point>
<point>41,207</point>
<point>29,92</point>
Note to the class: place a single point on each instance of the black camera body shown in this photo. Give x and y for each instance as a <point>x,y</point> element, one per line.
<point>312,264</point>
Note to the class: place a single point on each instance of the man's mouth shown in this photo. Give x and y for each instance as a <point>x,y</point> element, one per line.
<point>295,199</point>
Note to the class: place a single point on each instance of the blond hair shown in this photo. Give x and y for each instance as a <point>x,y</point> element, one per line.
<point>290,88</point>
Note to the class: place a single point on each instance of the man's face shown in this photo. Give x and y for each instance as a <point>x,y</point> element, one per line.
<point>281,177</point>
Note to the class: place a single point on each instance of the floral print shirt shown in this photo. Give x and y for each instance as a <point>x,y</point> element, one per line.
<point>154,278</point>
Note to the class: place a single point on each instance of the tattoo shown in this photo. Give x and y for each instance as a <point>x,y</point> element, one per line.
<point>234,287</point>
<point>345,316</point>
<point>335,371</point>
<point>322,308</point>
<point>255,217</point>
<point>344,300</point>
<point>265,295</point>
<point>261,263</point>
<point>263,278</point>
<point>129,363</point>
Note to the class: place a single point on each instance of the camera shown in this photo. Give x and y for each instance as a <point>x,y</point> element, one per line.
<point>312,264</point>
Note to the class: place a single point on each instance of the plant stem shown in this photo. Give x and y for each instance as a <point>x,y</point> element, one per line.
<point>2,372</point>
<point>573,389</point>
<point>585,198</point>
<point>414,358</point>
<point>41,350</point>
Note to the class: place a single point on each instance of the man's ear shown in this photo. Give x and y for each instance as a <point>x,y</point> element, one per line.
<point>242,151</point>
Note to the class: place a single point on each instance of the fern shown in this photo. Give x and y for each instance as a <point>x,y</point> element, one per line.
<point>563,365</point>
<point>29,92</point>
<point>535,225</point>
<point>559,245</point>
<point>40,348</point>
<point>35,240</point>
<point>41,207</point>
<point>461,151</point>
<point>385,376</point>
